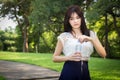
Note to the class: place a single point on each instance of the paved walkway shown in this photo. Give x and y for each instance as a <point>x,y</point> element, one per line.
<point>20,71</point>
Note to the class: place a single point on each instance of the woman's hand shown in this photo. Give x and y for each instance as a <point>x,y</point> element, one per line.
<point>84,38</point>
<point>96,43</point>
<point>74,57</point>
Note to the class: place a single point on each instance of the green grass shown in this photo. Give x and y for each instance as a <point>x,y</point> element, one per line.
<point>2,78</point>
<point>100,69</point>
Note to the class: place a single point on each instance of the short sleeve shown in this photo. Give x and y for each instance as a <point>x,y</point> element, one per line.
<point>93,34</point>
<point>62,38</point>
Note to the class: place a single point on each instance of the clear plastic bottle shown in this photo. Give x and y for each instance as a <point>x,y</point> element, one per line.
<point>78,47</point>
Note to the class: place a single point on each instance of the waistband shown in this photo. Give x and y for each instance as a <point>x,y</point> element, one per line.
<point>77,61</point>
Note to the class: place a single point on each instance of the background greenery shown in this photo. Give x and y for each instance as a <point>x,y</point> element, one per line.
<point>41,21</point>
<point>100,69</point>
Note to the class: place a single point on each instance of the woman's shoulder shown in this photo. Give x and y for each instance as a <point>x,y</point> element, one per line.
<point>92,33</point>
<point>63,37</point>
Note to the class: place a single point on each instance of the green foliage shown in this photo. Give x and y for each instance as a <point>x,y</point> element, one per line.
<point>19,39</point>
<point>101,7</point>
<point>96,21</point>
<point>47,44</point>
<point>18,10</point>
<point>7,40</point>
<point>46,22</point>
<point>45,18</point>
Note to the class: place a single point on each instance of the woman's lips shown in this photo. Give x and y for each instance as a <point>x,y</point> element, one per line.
<point>76,24</point>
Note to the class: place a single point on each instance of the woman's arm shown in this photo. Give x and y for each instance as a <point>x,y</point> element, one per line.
<point>98,46</point>
<point>57,54</point>
<point>57,57</point>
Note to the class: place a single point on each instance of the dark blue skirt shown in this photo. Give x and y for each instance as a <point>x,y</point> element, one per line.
<point>75,71</point>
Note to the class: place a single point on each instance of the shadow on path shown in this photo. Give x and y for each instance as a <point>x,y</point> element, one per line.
<point>20,71</point>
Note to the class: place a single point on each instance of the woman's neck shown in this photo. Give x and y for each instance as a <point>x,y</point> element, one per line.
<point>76,33</point>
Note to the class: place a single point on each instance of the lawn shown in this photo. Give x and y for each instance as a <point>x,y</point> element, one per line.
<point>100,69</point>
<point>2,78</point>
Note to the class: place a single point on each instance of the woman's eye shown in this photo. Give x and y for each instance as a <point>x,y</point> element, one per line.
<point>71,18</point>
<point>78,17</point>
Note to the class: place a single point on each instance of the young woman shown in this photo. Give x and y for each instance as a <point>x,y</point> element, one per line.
<point>76,42</point>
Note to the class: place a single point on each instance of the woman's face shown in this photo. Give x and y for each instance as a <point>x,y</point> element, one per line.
<point>75,20</point>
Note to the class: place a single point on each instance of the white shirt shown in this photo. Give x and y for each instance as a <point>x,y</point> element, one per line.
<point>72,45</point>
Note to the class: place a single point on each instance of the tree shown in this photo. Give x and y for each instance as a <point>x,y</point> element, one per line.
<point>47,16</point>
<point>19,10</point>
<point>1,40</point>
<point>7,40</point>
<point>103,9</point>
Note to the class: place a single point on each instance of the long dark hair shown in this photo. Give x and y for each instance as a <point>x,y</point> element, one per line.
<point>68,27</point>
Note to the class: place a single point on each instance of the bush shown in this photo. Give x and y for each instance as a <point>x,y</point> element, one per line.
<point>12,48</point>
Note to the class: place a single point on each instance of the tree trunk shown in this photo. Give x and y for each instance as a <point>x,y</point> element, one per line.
<point>38,42</point>
<point>25,42</point>
<point>106,37</point>
<point>116,28</point>
<point>25,33</point>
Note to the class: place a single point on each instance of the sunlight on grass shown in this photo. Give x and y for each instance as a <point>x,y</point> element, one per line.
<point>2,78</point>
<point>100,69</point>
<point>102,75</point>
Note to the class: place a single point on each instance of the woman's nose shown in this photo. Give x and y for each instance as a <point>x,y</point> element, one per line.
<point>75,20</point>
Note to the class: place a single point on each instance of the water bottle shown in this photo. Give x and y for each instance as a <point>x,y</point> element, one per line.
<point>78,47</point>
